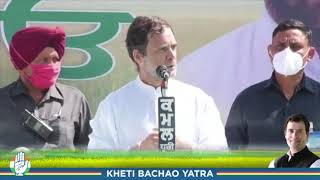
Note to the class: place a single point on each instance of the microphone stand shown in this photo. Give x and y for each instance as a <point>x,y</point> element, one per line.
<point>164,87</point>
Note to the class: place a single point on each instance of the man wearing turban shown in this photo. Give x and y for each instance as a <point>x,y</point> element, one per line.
<point>36,111</point>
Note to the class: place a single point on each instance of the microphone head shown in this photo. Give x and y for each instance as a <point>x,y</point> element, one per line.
<point>162,72</point>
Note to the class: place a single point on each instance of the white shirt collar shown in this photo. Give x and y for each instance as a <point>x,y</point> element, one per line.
<point>149,90</point>
<point>290,156</point>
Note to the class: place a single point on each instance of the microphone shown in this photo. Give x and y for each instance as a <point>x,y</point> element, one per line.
<point>162,72</point>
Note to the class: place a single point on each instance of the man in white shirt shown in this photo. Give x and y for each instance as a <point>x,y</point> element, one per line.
<point>226,66</point>
<point>127,118</point>
<point>296,132</point>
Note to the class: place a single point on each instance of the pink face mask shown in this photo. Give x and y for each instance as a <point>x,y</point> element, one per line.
<point>44,75</point>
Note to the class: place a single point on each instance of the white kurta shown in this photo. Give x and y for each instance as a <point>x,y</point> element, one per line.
<point>237,60</point>
<point>126,116</point>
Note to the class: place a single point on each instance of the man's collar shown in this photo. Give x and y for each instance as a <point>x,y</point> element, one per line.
<point>19,88</point>
<point>297,154</point>
<point>148,89</point>
<point>53,92</point>
<point>143,84</point>
<point>308,84</point>
<point>304,84</point>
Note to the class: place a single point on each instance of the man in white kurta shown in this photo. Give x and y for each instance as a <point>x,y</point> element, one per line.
<point>128,119</point>
<point>235,61</point>
<point>129,114</point>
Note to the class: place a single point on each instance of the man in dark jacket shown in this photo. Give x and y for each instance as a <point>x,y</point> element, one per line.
<point>296,133</point>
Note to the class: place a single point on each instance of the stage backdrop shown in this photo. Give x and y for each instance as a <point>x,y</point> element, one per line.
<point>96,60</point>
